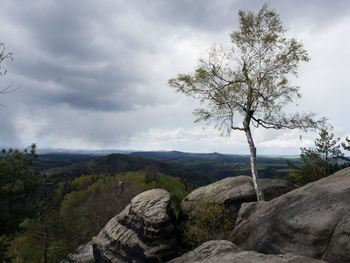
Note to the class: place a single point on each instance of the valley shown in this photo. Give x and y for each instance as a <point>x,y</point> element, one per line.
<point>198,168</point>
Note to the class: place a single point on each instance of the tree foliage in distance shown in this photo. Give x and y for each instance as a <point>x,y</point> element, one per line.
<point>17,183</point>
<point>319,161</point>
<point>17,186</point>
<point>247,84</point>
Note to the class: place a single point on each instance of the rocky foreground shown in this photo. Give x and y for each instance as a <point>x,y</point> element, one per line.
<point>233,191</point>
<point>142,232</point>
<point>308,224</point>
<point>313,220</point>
<point>223,251</point>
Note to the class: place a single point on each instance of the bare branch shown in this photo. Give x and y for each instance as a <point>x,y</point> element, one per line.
<point>237,128</point>
<point>9,89</point>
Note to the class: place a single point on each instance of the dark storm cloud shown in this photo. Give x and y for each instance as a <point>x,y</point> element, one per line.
<point>96,71</point>
<point>8,132</point>
<point>201,14</point>
<point>107,89</point>
<point>68,37</point>
<point>208,15</point>
<point>73,37</point>
<point>319,12</point>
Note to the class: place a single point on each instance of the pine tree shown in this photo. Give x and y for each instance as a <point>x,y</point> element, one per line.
<point>319,161</point>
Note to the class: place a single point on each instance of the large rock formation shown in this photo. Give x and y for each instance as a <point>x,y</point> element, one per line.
<point>247,209</point>
<point>142,232</point>
<point>84,254</point>
<point>223,251</point>
<point>313,220</point>
<point>234,191</point>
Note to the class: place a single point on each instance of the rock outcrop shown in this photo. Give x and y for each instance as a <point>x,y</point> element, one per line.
<point>142,232</point>
<point>313,220</point>
<point>234,191</point>
<point>223,251</point>
<point>84,254</point>
<point>247,209</point>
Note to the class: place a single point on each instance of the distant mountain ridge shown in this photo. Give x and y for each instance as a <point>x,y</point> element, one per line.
<point>156,154</point>
<point>197,168</point>
<point>218,166</point>
<point>167,155</point>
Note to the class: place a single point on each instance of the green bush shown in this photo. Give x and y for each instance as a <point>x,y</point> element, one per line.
<point>208,220</point>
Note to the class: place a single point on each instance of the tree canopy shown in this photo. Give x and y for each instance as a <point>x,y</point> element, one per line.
<point>248,83</point>
<point>321,160</point>
<point>17,193</point>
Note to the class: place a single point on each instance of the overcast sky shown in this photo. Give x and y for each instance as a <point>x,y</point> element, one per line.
<point>93,74</point>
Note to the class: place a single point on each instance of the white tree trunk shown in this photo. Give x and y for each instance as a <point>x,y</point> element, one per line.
<point>258,191</point>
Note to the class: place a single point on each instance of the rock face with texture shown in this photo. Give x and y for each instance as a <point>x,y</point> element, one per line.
<point>223,251</point>
<point>234,191</point>
<point>142,232</point>
<point>84,254</point>
<point>247,209</point>
<point>313,220</point>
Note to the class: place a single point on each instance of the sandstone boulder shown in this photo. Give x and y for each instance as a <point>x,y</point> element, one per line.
<point>223,251</point>
<point>84,254</point>
<point>234,191</point>
<point>142,232</point>
<point>313,220</point>
<point>247,209</point>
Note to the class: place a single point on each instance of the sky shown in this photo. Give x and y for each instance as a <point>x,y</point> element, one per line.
<point>93,74</point>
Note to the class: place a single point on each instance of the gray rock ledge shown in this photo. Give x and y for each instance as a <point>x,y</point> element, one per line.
<point>223,251</point>
<point>142,232</point>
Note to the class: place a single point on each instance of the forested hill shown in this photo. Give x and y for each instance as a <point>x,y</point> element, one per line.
<point>170,155</point>
<point>218,166</point>
<point>177,155</point>
<point>197,168</point>
<point>50,160</point>
<point>118,163</point>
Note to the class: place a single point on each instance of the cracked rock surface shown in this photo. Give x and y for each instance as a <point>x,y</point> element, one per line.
<point>234,191</point>
<point>223,251</point>
<point>313,220</point>
<point>142,232</point>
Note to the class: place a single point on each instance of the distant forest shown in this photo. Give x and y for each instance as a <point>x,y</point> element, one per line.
<point>199,169</point>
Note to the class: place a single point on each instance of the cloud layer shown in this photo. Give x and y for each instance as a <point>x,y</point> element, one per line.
<point>93,74</point>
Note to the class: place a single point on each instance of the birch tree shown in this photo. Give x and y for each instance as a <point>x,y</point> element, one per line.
<point>248,84</point>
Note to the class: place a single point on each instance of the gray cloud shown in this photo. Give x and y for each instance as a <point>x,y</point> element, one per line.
<point>8,132</point>
<point>94,73</point>
<point>70,54</point>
